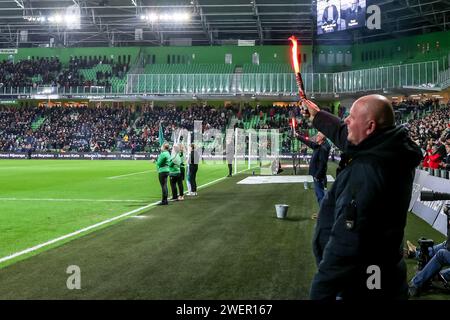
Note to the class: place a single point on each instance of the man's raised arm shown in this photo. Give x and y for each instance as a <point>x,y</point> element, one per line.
<point>330,125</point>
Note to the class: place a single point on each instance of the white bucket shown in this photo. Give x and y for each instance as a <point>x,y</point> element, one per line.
<point>282,210</point>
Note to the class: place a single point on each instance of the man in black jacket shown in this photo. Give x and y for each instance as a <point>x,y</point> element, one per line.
<point>194,159</point>
<point>358,241</point>
<point>319,162</point>
<point>446,161</point>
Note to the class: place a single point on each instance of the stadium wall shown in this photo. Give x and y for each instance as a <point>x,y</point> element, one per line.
<point>196,54</point>
<point>433,46</point>
<point>427,47</point>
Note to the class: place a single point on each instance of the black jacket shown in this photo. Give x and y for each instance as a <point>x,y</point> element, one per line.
<point>194,157</point>
<point>446,161</point>
<point>319,159</point>
<point>362,217</point>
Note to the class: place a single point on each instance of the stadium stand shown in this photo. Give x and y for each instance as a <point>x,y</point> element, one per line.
<point>126,129</point>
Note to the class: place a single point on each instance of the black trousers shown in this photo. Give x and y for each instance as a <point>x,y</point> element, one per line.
<point>193,168</point>
<point>174,182</point>
<point>230,169</point>
<point>163,182</point>
<point>182,173</point>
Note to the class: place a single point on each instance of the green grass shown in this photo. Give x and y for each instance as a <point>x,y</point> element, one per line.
<point>224,244</point>
<point>28,217</point>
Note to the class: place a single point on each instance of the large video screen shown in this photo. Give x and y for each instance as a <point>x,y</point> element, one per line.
<point>337,15</point>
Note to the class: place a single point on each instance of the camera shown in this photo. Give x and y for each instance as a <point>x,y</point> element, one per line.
<point>437,196</point>
<point>434,196</point>
<point>424,255</point>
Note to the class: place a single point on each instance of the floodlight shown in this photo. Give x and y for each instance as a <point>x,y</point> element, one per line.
<point>180,17</point>
<point>152,17</point>
<point>166,17</point>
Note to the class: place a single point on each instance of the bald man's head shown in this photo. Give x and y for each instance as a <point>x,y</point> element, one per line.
<point>368,114</point>
<point>379,108</point>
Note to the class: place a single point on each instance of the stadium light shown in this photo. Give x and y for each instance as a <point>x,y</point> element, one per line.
<point>55,19</point>
<point>175,17</point>
<point>35,19</point>
<point>70,20</point>
<point>70,17</point>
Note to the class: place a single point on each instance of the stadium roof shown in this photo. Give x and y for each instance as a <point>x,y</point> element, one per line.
<point>114,22</point>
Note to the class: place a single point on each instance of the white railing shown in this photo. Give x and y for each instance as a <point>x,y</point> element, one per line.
<point>422,74</point>
<point>416,75</point>
<point>444,79</point>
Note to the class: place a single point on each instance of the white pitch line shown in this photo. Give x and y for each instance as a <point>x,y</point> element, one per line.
<point>20,253</point>
<point>39,246</point>
<point>130,174</point>
<point>68,200</point>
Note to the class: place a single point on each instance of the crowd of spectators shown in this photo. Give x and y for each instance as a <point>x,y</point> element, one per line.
<point>118,68</point>
<point>100,129</point>
<point>62,129</point>
<point>177,117</point>
<point>20,74</point>
<point>51,72</point>
<point>433,125</point>
<point>414,108</point>
<point>432,134</point>
<point>126,129</point>
<point>275,117</point>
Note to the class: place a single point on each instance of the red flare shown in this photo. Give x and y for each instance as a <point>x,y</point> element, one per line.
<point>296,65</point>
<point>295,62</point>
<point>294,123</point>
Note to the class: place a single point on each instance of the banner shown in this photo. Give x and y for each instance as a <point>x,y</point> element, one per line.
<point>79,156</point>
<point>419,179</point>
<point>127,156</point>
<point>8,51</point>
<point>430,211</point>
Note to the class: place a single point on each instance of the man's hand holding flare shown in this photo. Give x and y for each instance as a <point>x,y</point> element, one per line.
<point>311,107</point>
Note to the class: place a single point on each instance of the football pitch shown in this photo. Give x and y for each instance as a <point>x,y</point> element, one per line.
<point>43,200</point>
<point>99,215</point>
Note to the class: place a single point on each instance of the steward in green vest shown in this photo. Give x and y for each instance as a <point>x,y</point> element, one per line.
<point>162,164</point>
<point>175,174</point>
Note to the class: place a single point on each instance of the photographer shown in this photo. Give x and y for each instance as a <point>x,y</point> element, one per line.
<point>440,257</point>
